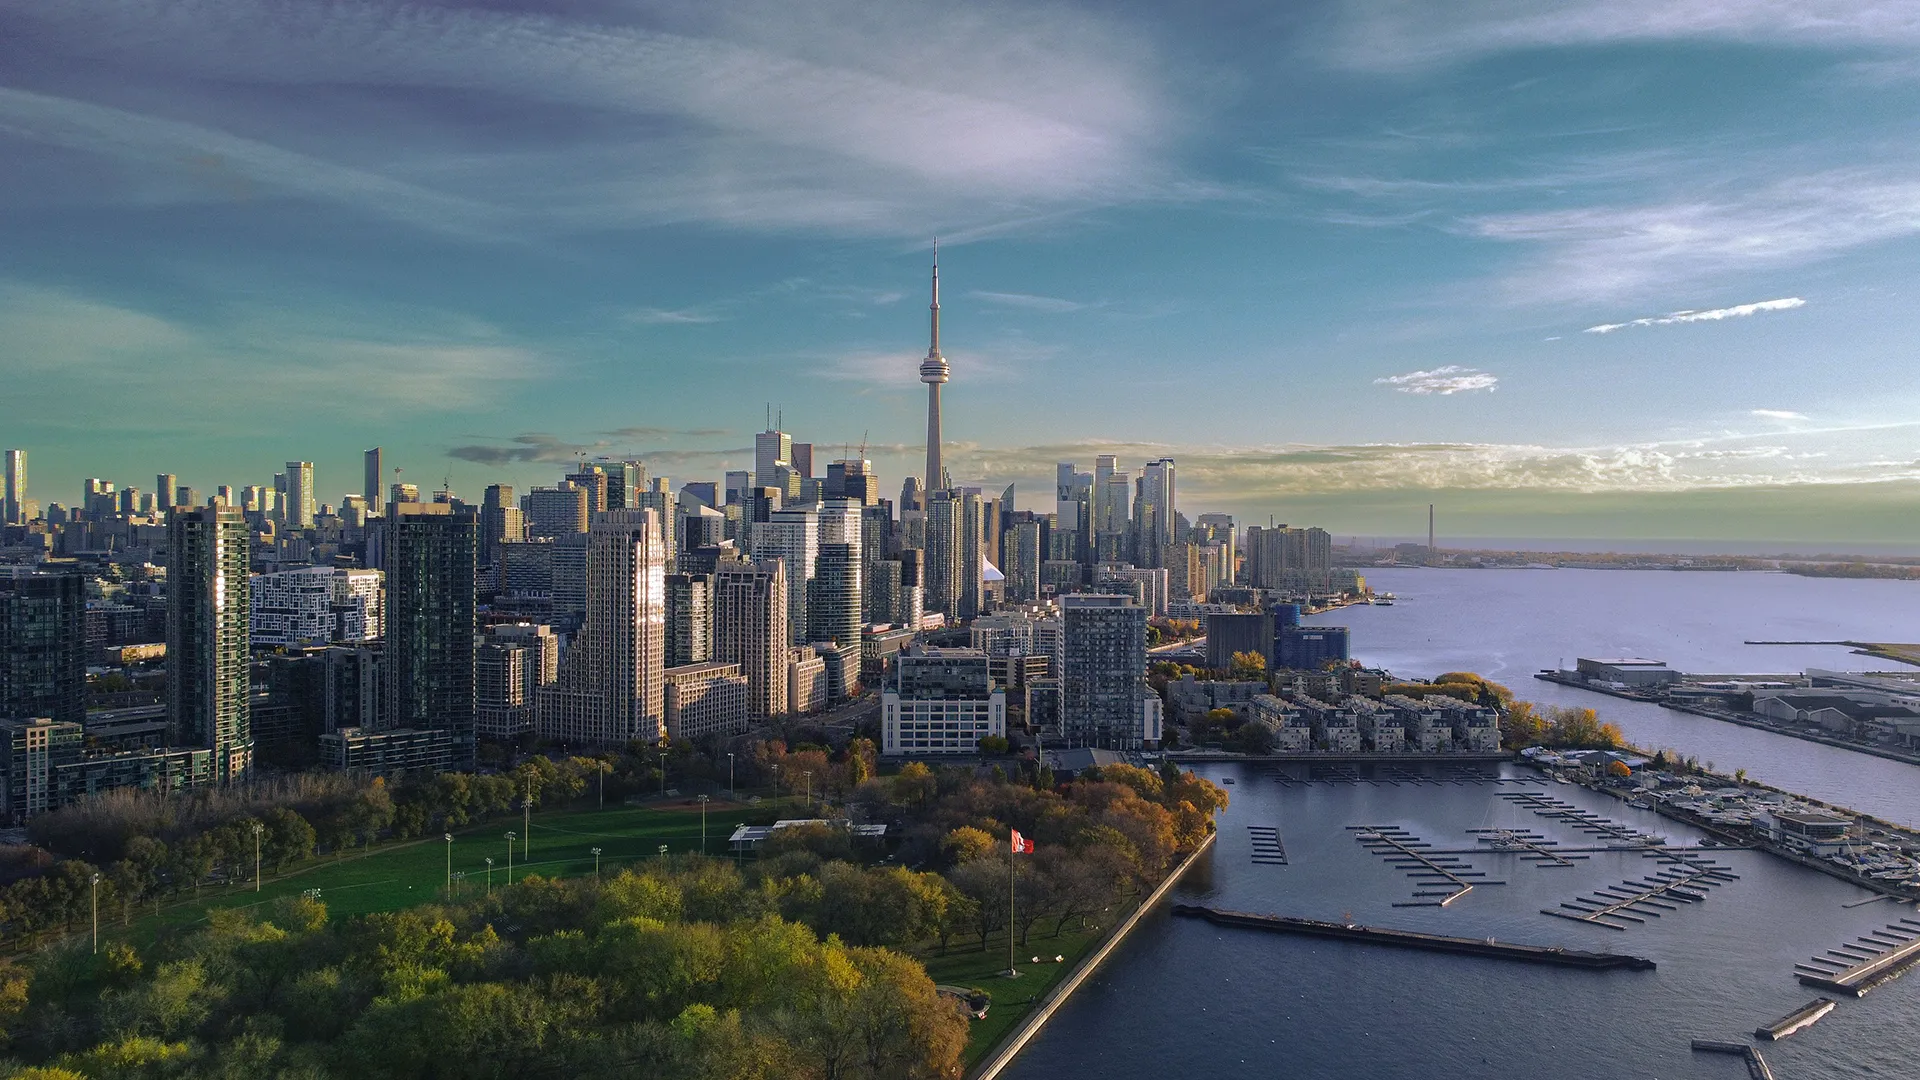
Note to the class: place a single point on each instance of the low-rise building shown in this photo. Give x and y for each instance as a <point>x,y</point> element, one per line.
<point>941,701</point>
<point>1809,831</point>
<point>705,699</point>
<point>1292,729</point>
<point>1425,728</point>
<point>807,687</point>
<point>1380,725</point>
<point>1476,728</point>
<point>1189,698</point>
<point>391,753</point>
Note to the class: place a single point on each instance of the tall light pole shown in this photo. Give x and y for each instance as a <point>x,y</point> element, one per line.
<point>601,776</point>
<point>733,793</point>
<point>596,864</point>
<point>448,837</point>
<point>776,786</point>
<point>511,837</point>
<point>489,876</point>
<point>809,790</point>
<point>96,914</point>
<point>526,822</point>
<point>257,830</point>
<point>703,824</point>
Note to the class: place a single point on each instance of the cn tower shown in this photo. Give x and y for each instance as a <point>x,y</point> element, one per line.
<point>933,372</point>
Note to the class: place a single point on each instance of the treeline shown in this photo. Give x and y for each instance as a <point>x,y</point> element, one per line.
<point>1558,726</point>
<point>688,968</point>
<point>691,973</point>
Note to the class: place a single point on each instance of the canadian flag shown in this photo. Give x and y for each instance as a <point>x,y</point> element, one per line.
<point>1021,845</point>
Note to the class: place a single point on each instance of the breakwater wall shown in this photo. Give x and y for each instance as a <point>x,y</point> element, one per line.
<point>1409,939</point>
<point>1010,1046</point>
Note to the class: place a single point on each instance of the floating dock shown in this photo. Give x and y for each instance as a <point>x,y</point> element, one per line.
<point>1267,848</point>
<point>1854,969</point>
<point>1803,1017</point>
<point>1408,939</point>
<point>1756,1065</point>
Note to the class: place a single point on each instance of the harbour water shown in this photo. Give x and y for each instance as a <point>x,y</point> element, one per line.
<point>1507,624</point>
<point>1183,997</point>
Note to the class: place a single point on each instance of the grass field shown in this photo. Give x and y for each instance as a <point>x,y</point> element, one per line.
<point>965,965</point>
<point>396,876</point>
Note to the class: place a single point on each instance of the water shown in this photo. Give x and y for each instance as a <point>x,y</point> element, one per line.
<point>1508,624</point>
<point>1184,998</point>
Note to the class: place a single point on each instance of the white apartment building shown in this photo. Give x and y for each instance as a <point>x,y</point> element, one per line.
<point>941,701</point>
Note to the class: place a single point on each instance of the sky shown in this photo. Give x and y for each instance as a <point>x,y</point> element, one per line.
<point>1611,269</point>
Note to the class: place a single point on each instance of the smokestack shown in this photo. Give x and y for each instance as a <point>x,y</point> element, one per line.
<point>1429,530</point>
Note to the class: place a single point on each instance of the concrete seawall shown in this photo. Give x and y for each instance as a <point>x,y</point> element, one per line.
<point>1016,1040</point>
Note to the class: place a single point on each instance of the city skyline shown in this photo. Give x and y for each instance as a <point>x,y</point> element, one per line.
<point>1586,273</point>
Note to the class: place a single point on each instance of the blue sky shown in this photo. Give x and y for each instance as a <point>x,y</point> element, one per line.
<point>1610,269</point>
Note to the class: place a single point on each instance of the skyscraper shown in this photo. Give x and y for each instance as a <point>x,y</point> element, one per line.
<point>943,553</point>
<point>973,555</point>
<point>801,458</point>
<point>1104,679</point>
<point>933,372</point>
<point>689,619</point>
<point>166,490</point>
<point>373,481</point>
<point>611,690</point>
<point>13,500</point>
<point>771,450</point>
<point>557,511</point>
<point>43,645</point>
<point>500,521</point>
<point>208,608</point>
<point>299,513</point>
<point>750,629</point>
<point>430,555</point>
<point>793,537</point>
<point>1153,513</point>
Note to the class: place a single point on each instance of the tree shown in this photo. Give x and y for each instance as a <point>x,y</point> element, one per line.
<point>1247,666</point>
<point>966,844</point>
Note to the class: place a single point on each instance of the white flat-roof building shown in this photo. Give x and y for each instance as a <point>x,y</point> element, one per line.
<point>941,701</point>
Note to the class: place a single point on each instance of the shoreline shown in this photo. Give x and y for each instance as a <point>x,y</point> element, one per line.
<point>1010,1045</point>
<point>1757,725</point>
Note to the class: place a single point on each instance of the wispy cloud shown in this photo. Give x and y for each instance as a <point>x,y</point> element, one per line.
<point>671,317</point>
<point>261,357</point>
<point>1630,250</point>
<point>1738,311</point>
<point>1444,381</point>
<point>759,114</point>
<point>1051,305</point>
<point>1388,34</point>
<point>1779,414</point>
<point>543,448</point>
<point>183,161</point>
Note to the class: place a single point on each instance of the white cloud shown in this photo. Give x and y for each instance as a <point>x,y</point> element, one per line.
<point>1779,414</point>
<point>1738,311</point>
<point>1451,379</point>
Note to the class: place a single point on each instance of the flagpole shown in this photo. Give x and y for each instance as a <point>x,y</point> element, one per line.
<point>1013,844</point>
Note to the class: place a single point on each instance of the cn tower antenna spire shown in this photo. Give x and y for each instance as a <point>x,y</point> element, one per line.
<point>933,372</point>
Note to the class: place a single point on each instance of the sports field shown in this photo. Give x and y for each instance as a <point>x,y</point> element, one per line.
<point>395,876</point>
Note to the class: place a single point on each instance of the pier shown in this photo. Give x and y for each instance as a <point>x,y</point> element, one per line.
<point>1637,900</point>
<point>1854,969</point>
<point>1415,858</point>
<point>1756,1065</point>
<point>1798,1020</point>
<point>1408,939</point>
